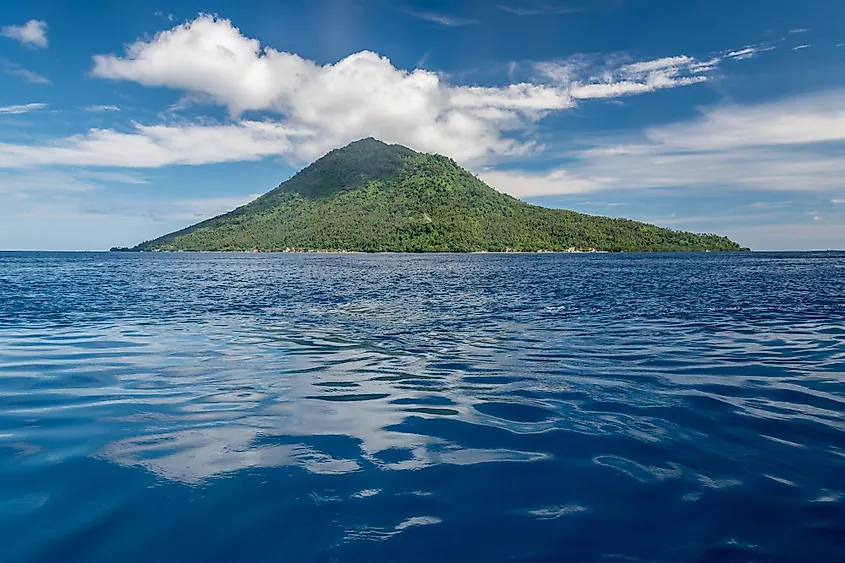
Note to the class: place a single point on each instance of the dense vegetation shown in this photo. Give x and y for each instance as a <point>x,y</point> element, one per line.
<point>373,197</point>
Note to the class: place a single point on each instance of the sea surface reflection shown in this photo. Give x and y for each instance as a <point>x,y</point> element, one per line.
<point>199,407</point>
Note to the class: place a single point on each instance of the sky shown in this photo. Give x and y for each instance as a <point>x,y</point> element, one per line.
<point>122,121</point>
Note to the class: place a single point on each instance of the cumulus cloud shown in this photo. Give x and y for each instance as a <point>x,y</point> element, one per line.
<point>32,34</point>
<point>364,94</point>
<point>25,108</point>
<point>791,145</point>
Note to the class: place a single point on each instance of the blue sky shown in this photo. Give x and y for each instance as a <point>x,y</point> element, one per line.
<point>120,122</point>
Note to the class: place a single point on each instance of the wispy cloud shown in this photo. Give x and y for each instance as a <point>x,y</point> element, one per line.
<point>155,146</point>
<point>799,47</point>
<point>587,79</point>
<point>25,108</point>
<point>53,195</point>
<point>769,204</point>
<point>23,184</point>
<point>101,108</point>
<point>539,10</point>
<point>748,52</point>
<point>30,76</point>
<point>798,30</point>
<point>442,19</point>
<point>199,209</point>
<point>790,145</point>
<point>17,70</point>
<point>674,219</point>
<point>118,177</point>
<point>32,34</point>
<point>168,17</point>
<point>790,235</point>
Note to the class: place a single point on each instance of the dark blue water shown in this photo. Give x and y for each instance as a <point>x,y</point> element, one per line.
<point>368,408</point>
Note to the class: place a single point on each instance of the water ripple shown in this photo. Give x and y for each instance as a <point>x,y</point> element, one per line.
<point>362,408</point>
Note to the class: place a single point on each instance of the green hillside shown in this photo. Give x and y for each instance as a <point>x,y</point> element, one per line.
<point>374,197</point>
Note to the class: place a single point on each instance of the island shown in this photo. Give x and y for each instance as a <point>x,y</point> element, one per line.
<point>370,196</point>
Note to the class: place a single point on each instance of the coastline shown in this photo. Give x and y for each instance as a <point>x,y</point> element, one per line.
<point>129,251</point>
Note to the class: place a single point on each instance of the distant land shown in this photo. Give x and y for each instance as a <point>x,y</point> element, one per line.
<point>373,197</point>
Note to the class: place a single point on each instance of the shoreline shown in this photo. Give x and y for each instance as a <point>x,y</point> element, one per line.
<point>431,252</point>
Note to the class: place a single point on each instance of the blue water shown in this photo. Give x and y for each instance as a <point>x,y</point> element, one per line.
<point>368,408</point>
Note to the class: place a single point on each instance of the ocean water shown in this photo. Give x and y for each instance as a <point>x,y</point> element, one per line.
<point>369,408</point>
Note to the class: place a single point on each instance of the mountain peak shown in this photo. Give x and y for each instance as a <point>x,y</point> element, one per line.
<point>349,167</point>
<point>370,144</point>
<point>367,140</point>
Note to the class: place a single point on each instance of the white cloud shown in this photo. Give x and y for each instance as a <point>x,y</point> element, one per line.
<point>666,63</point>
<point>22,192</point>
<point>613,80</point>
<point>837,201</point>
<point>523,184</point>
<point>790,145</point>
<point>19,184</point>
<point>624,88</point>
<point>101,108</point>
<point>742,53</point>
<point>33,33</point>
<point>155,146</point>
<point>365,95</point>
<point>168,17</point>
<point>539,11</point>
<point>799,47</point>
<point>798,30</point>
<point>806,119</point>
<point>442,19</point>
<point>119,177</point>
<point>25,108</point>
<point>27,75</point>
<point>199,209</point>
<point>748,52</point>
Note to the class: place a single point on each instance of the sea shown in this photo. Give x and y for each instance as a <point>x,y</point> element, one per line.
<point>422,408</point>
